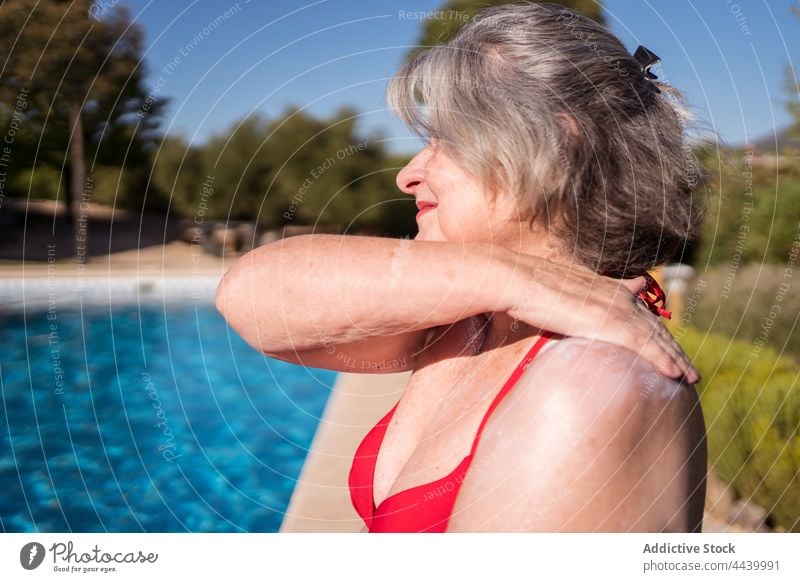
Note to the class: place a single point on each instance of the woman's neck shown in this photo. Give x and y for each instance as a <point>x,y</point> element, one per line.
<point>501,329</point>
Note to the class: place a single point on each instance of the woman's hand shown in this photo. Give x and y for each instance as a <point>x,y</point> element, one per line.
<point>582,303</point>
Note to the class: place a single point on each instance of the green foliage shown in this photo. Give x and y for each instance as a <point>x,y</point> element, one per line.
<point>63,58</point>
<point>107,186</point>
<point>751,406</point>
<point>753,208</point>
<point>178,174</point>
<point>454,14</point>
<point>296,169</point>
<point>739,303</point>
<point>42,183</point>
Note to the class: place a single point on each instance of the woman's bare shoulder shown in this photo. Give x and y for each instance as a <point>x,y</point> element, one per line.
<point>605,397</point>
<point>596,427</point>
<point>589,373</point>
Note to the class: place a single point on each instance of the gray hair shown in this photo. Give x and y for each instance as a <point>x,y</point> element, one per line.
<point>502,97</point>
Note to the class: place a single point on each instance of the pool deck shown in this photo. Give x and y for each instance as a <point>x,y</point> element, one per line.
<point>177,271</point>
<point>321,499</point>
<point>176,258</point>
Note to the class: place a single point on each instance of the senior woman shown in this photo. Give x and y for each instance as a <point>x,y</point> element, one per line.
<point>544,395</point>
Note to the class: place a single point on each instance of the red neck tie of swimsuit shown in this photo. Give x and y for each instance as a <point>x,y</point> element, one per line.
<point>652,295</point>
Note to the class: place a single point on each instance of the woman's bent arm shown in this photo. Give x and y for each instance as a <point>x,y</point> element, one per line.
<point>359,300</point>
<point>364,303</point>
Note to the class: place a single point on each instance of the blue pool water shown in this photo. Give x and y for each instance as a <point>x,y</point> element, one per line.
<point>129,419</point>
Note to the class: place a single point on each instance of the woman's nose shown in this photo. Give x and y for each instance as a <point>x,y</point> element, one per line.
<point>413,174</point>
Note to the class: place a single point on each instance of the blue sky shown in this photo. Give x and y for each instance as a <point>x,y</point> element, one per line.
<point>729,57</point>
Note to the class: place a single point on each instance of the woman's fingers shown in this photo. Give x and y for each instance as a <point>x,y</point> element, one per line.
<point>585,304</point>
<point>663,351</point>
<point>677,353</point>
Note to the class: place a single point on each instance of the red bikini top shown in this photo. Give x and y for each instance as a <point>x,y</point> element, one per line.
<point>427,507</point>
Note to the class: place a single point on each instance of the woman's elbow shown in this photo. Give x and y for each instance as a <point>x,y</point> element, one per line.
<point>250,301</point>
<point>226,305</point>
<point>229,287</point>
<point>249,272</point>
<point>232,303</point>
<point>235,298</point>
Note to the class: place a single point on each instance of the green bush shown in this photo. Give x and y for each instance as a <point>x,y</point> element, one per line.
<point>751,405</point>
<point>42,183</point>
<point>739,304</point>
<point>295,169</point>
<point>753,208</point>
<point>107,188</point>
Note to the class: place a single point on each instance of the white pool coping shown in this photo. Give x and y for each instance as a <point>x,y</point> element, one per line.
<point>40,292</point>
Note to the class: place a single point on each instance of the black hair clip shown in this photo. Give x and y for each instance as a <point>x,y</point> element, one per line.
<point>646,59</point>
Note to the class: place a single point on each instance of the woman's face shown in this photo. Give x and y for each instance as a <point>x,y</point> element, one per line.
<point>453,205</point>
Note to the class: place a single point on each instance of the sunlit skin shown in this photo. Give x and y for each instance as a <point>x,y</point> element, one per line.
<point>603,435</point>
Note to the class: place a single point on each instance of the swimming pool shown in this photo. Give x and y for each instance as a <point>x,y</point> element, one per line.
<point>145,418</point>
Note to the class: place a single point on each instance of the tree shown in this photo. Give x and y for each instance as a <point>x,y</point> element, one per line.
<point>295,169</point>
<point>80,71</point>
<point>454,14</point>
<point>179,172</point>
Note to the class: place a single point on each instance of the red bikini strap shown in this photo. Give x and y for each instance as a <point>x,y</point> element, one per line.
<point>512,380</point>
<point>652,295</point>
